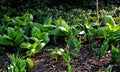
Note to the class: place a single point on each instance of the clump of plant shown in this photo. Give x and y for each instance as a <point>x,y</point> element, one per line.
<point>66,57</point>
<point>19,64</point>
<point>115,53</point>
<point>110,33</point>
<point>36,42</point>
<point>13,37</point>
<point>89,28</point>
<point>64,53</point>
<point>103,49</point>
<point>61,28</point>
<point>74,44</point>
<point>56,52</point>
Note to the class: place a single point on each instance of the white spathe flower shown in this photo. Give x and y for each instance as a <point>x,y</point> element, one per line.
<point>59,53</point>
<point>11,67</point>
<point>62,28</point>
<point>82,33</point>
<point>62,50</point>
<point>33,50</point>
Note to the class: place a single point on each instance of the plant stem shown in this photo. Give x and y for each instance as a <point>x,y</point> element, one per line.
<point>97,11</point>
<point>69,67</point>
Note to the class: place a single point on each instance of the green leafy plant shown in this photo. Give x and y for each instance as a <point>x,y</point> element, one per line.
<point>66,57</point>
<point>14,37</point>
<point>109,32</point>
<point>36,42</point>
<point>62,27</point>
<point>19,64</point>
<point>108,19</point>
<point>65,54</point>
<point>3,29</point>
<point>102,32</point>
<point>89,29</point>
<point>103,49</point>
<point>90,37</point>
<point>56,52</point>
<point>74,45</point>
<point>22,21</point>
<point>115,53</point>
<point>56,29</point>
<point>48,21</point>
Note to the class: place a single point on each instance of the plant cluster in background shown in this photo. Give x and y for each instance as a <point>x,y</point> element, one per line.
<point>21,32</point>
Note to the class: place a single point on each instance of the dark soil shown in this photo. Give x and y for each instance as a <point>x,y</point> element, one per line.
<point>87,61</point>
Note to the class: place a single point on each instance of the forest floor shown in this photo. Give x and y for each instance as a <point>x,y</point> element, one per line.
<point>87,61</point>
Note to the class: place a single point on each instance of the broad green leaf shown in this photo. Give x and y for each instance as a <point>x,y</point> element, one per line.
<point>34,39</point>
<point>19,34</point>
<point>62,29</point>
<point>19,41</point>
<point>11,32</point>
<point>102,30</point>
<point>55,32</point>
<point>32,24</point>
<point>61,23</point>
<point>34,45</point>
<point>35,48</point>
<point>47,28</point>
<point>66,57</point>
<point>25,45</point>
<point>116,28</point>
<point>6,40</point>
<point>45,37</point>
<point>40,46</point>
<point>16,34</point>
<point>36,32</point>
<point>110,26</point>
<point>6,18</point>
<point>16,21</point>
<point>48,21</point>
<point>30,52</point>
<point>54,54</point>
<point>115,53</point>
<point>108,19</point>
<point>27,17</point>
